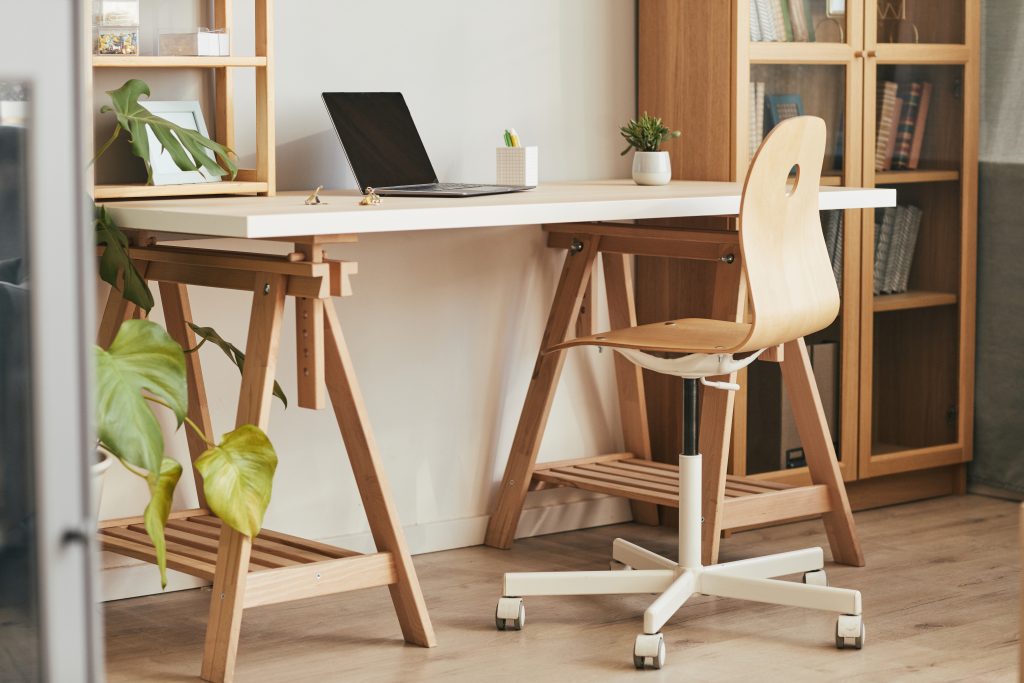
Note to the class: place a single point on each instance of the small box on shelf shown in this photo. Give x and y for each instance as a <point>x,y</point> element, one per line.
<point>199,43</point>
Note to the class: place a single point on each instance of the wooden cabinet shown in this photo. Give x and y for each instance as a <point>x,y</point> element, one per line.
<point>899,365</point>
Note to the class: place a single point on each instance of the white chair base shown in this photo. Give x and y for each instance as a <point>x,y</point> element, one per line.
<point>646,572</point>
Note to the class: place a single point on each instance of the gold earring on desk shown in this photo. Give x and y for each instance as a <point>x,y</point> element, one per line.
<point>314,198</point>
<point>370,198</point>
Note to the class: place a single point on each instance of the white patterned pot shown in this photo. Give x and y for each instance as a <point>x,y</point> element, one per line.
<point>98,472</point>
<point>651,168</point>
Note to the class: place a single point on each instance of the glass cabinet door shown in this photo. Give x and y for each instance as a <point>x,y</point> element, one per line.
<point>913,313</point>
<point>828,89</point>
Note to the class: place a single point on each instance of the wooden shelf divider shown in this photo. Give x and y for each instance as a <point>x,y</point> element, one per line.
<point>884,303</point>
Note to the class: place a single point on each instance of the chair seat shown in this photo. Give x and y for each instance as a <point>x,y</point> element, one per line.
<point>687,335</point>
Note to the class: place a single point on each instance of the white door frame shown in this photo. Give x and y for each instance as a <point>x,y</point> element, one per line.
<point>61,285</point>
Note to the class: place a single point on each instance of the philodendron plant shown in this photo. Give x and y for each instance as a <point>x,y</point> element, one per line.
<point>145,367</point>
<point>646,134</point>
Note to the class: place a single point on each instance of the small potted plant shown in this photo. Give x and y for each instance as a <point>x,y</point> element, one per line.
<point>651,166</point>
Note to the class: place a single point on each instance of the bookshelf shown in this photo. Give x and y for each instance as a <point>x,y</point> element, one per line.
<point>897,367</point>
<point>249,181</point>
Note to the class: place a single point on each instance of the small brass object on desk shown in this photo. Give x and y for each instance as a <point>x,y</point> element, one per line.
<point>371,198</point>
<point>315,197</point>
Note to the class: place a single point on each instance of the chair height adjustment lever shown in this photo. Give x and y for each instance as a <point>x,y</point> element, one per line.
<point>725,386</point>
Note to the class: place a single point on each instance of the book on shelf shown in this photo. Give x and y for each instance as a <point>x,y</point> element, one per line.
<point>919,125</point>
<point>781,21</point>
<point>902,118</point>
<point>883,245</point>
<point>895,241</point>
<point>832,224</point>
<point>756,116</point>
<point>893,134</point>
<point>766,21</point>
<point>780,10</point>
<point>886,104</point>
<point>911,95</point>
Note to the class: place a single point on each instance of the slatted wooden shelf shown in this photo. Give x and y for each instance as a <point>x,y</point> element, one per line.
<point>192,540</point>
<point>748,502</point>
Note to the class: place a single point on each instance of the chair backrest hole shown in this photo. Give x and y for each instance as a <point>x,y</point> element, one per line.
<point>794,173</point>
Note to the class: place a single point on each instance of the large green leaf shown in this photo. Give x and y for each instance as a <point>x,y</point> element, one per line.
<point>189,150</point>
<point>116,268</point>
<point>161,491</point>
<point>142,357</point>
<point>237,477</point>
<point>231,351</point>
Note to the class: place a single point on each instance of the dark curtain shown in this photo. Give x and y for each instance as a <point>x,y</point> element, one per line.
<point>999,400</point>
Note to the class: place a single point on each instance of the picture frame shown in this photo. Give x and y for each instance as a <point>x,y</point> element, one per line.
<point>187,114</point>
<point>782,107</point>
<point>835,8</point>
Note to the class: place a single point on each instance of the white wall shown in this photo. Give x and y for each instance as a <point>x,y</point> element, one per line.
<point>444,326</point>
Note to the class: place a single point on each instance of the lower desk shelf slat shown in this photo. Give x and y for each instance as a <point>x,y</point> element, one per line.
<point>748,501</point>
<point>192,542</point>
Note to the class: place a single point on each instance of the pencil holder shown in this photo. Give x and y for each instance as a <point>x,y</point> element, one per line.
<point>517,166</point>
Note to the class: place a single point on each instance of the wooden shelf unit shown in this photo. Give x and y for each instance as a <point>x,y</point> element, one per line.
<point>904,358</point>
<point>262,179</point>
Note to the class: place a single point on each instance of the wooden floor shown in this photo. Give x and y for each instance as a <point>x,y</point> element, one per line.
<point>940,599</point>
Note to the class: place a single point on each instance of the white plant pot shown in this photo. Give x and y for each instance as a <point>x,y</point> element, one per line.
<point>651,168</point>
<point>98,473</point>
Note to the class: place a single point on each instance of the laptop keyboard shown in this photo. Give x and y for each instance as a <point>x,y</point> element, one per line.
<point>442,186</point>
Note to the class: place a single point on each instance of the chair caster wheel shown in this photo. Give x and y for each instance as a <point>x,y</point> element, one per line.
<point>649,648</point>
<point>850,631</point>
<point>510,614</point>
<point>617,566</point>
<point>816,578</point>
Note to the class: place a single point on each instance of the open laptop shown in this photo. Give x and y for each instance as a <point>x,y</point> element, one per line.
<point>384,148</point>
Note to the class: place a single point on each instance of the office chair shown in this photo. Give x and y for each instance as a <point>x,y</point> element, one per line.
<point>792,293</point>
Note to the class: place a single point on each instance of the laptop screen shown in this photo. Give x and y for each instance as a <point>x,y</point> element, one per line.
<point>380,139</point>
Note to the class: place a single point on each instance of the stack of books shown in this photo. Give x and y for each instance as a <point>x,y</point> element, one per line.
<point>896,230</point>
<point>781,21</point>
<point>901,114</point>
<point>832,224</point>
<point>756,107</point>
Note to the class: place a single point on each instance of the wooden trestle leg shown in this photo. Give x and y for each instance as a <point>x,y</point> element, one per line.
<point>233,552</point>
<point>374,491</point>
<point>629,377</point>
<point>579,262</point>
<point>809,416</point>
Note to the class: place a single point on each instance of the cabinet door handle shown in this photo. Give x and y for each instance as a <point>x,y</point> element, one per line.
<point>858,54</point>
<point>872,53</point>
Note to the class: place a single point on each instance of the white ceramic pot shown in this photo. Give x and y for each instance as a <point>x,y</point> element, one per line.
<point>651,168</point>
<point>98,472</point>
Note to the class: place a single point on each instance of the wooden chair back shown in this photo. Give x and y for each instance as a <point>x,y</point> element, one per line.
<point>789,274</point>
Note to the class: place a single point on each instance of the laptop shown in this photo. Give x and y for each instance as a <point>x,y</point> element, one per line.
<point>385,151</point>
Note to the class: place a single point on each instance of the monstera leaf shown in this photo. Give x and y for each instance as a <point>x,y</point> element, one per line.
<point>143,357</point>
<point>237,477</point>
<point>161,491</point>
<point>231,351</point>
<point>189,150</point>
<point>115,262</point>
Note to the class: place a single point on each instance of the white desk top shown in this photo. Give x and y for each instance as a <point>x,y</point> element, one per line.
<point>285,215</point>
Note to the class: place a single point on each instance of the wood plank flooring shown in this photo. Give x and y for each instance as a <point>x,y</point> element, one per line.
<point>940,597</point>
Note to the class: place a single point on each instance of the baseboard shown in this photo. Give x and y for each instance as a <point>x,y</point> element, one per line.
<point>547,512</point>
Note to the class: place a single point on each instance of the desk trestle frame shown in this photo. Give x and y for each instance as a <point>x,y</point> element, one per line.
<point>273,567</point>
